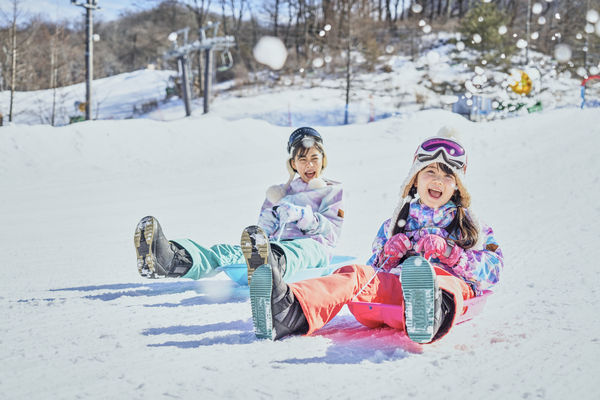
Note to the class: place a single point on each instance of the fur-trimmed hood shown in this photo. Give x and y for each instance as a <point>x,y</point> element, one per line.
<point>408,196</point>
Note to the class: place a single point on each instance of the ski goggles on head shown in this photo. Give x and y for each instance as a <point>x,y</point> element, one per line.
<point>300,134</point>
<point>452,152</point>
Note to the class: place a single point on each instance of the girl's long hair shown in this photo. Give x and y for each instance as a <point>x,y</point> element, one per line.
<point>461,226</point>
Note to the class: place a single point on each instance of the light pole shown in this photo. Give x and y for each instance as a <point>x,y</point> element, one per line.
<point>587,39</point>
<point>89,6</point>
<point>528,30</point>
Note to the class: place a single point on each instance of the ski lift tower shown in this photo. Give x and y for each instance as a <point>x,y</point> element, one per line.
<point>207,44</point>
<point>90,6</point>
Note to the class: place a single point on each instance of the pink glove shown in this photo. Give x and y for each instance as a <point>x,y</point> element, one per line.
<point>454,256</point>
<point>431,245</point>
<point>393,250</point>
<point>436,246</point>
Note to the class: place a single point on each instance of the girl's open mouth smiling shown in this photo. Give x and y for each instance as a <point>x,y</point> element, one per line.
<point>436,194</point>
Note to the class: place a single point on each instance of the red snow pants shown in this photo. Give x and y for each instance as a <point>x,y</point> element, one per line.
<point>322,298</point>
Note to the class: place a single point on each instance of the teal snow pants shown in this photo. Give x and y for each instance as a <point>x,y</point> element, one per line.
<point>300,254</point>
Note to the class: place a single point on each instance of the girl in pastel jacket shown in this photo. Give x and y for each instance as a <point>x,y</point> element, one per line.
<point>302,219</point>
<point>321,219</point>
<point>304,216</point>
<point>432,219</point>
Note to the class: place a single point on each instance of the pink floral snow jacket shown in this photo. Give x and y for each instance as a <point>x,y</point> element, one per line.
<point>479,266</point>
<point>325,223</point>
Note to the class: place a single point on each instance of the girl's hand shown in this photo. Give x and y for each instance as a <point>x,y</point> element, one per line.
<point>436,246</point>
<point>397,246</point>
<point>455,253</point>
<point>302,216</point>
<point>394,249</point>
<point>431,245</point>
<point>288,212</point>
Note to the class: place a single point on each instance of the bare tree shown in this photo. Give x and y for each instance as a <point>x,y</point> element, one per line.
<point>199,8</point>
<point>56,62</point>
<point>346,27</point>
<point>13,51</point>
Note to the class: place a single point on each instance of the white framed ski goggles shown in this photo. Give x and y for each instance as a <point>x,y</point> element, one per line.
<point>451,151</point>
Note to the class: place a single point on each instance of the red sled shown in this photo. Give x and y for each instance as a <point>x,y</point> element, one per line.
<point>375,315</point>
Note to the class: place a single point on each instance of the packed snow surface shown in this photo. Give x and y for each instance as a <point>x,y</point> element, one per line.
<point>79,322</point>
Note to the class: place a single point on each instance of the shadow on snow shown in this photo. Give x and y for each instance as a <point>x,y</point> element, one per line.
<point>246,335</point>
<point>352,343</point>
<point>210,292</point>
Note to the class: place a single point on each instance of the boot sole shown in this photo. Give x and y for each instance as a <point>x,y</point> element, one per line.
<point>255,254</point>
<point>418,288</point>
<point>142,239</point>
<point>260,299</point>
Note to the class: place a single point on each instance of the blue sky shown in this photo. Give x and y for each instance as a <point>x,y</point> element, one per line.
<point>63,9</point>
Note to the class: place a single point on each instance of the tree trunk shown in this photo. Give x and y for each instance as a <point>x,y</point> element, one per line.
<point>348,80</point>
<point>134,50</point>
<point>432,11</point>
<point>276,18</point>
<point>388,12</point>
<point>511,10</point>
<point>305,31</point>
<point>348,60</point>
<point>199,12</point>
<point>53,79</point>
<point>237,27</point>
<point>13,72</point>
<point>448,9</point>
<point>403,14</point>
<point>299,15</point>
<point>327,7</point>
<point>224,17</point>
<point>288,27</point>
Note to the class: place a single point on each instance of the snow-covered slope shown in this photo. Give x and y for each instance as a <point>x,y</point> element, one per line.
<point>78,321</point>
<point>116,97</point>
<point>432,80</point>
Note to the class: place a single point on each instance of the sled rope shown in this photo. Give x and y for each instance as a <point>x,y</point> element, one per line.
<point>378,270</point>
<point>281,232</point>
<point>369,281</point>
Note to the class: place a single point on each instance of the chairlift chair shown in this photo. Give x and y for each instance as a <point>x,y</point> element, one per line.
<point>226,61</point>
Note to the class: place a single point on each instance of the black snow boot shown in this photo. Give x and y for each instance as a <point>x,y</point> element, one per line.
<point>444,317</point>
<point>288,317</point>
<point>182,261</point>
<point>275,311</point>
<point>156,256</point>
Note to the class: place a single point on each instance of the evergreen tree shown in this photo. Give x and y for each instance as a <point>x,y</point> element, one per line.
<point>481,31</point>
